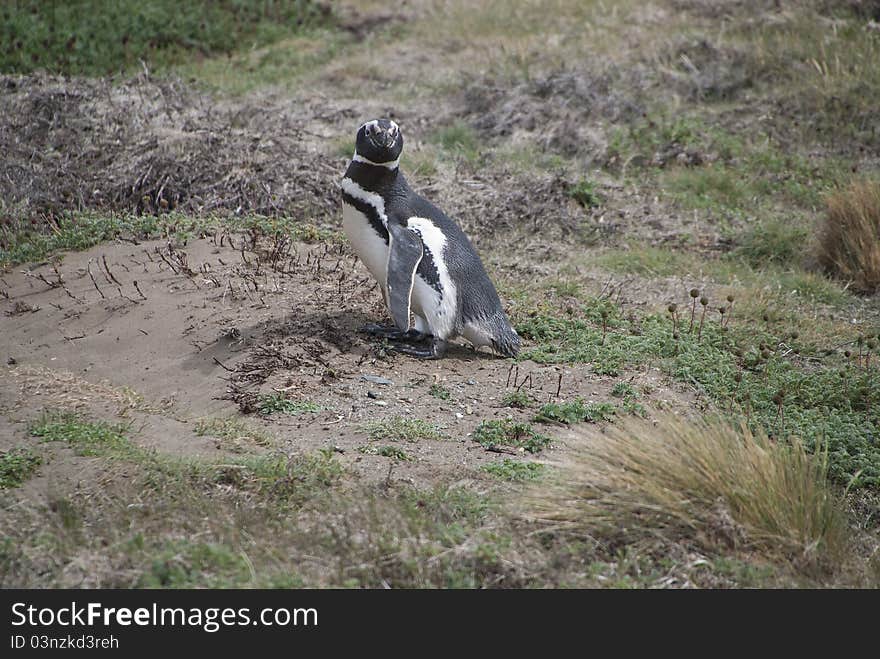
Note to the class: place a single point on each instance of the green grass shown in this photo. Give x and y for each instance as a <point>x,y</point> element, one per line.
<point>402,429</point>
<point>21,243</point>
<point>89,438</point>
<point>630,398</point>
<point>17,465</point>
<point>775,242</point>
<point>459,140</point>
<point>235,433</point>
<point>506,432</point>
<point>187,564</point>
<point>584,193</point>
<point>439,391</point>
<point>819,404</point>
<point>393,452</point>
<point>282,478</point>
<point>274,403</point>
<point>575,412</point>
<point>513,470</point>
<point>285,62</point>
<point>652,261</point>
<point>518,399</point>
<point>93,37</point>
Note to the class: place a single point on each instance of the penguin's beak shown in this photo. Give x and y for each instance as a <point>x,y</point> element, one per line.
<point>383,138</point>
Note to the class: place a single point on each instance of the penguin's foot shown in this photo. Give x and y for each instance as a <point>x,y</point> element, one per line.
<point>435,351</point>
<point>392,333</point>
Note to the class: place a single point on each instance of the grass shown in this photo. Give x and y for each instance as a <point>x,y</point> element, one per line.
<point>459,140</point>
<point>235,434</point>
<point>20,242</point>
<point>439,391</point>
<point>87,438</point>
<point>518,399</point>
<point>513,470</point>
<point>89,37</point>
<point>849,244</point>
<point>388,451</point>
<point>402,429</point>
<point>575,412</point>
<point>495,434</point>
<point>17,465</point>
<point>186,564</point>
<point>584,193</point>
<point>285,479</point>
<point>636,479</point>
<point>275,403</point>
<point>729,367</point>
<point>777,241</point>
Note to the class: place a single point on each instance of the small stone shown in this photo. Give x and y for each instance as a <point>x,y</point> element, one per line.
<point>471,382</point>
<point>459,415</point>
<point>11,361</point>
<point>468,410</point>
<point>382,403</point>
<point>373,395</point>
<point>376,379</point>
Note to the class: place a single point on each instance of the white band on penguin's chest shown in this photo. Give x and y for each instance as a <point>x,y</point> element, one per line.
<point>371,198</point>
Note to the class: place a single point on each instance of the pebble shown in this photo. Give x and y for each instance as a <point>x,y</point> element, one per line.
<point>383,403</point>
<point>471,382</point>
<point>373,395</point>
<point>376,379</point>
<point>459,415</point>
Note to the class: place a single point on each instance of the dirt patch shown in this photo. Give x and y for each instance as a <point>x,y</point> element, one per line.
<point>231,330</point>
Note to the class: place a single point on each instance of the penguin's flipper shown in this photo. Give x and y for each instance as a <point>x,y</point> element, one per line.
<point>405,251</point>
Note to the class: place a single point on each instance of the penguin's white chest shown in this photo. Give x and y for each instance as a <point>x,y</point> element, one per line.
<point>369,245</point>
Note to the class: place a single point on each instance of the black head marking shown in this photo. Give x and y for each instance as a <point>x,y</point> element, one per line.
<point>380,142</point>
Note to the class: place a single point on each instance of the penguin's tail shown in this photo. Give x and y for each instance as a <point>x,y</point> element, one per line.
<point>505,340</point>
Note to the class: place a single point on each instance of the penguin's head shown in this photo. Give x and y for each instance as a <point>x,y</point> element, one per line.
<point>379,142</point>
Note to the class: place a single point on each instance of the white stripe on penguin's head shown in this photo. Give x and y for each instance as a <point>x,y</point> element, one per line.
<point>370,151</point>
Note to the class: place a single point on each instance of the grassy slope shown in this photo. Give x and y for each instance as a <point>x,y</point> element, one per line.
<point>760,182</point>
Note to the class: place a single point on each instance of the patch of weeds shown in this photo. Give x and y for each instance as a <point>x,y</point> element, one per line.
<point>93,438</point>
<point>776,241</point>
<point>460,140</point>
<point>513,470</point>
<point>402,429</point>
<point>575,412</point>
<point>584,193</point>
<point>275,402</point>
<point>294,479</point>
<point>506,432</point>
<point>645,260</point>
<point>566,288</point>
<point>751,370</point>
<point>93,37</point>
<point>16,466</point>
<point>20,242</point>
<point>518,399</point>
<point>630,396</point>
<point>439,391</point>
<point>187,564</point>
<point>624,390</point>
<point>849,243</point>
<point>393,452</point>
<point>235,432</point>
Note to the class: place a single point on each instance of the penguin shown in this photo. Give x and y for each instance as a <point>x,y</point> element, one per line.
<point>422,260</point>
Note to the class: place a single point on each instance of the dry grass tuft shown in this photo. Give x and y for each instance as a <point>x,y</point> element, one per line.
<point>849,246</point>
<point>696,481</point>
